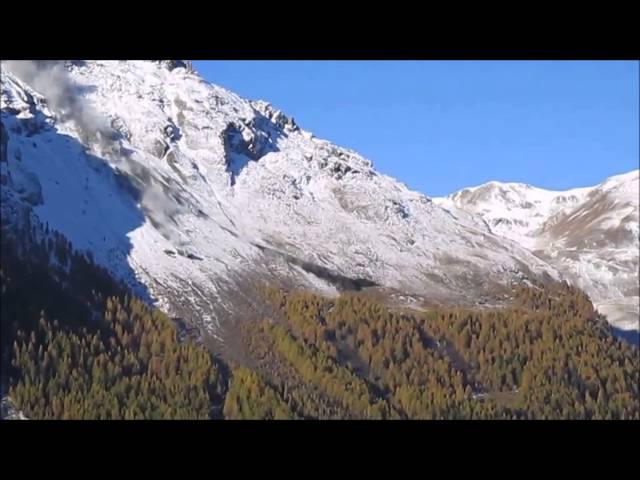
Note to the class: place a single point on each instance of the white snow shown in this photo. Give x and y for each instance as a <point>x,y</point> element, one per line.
<point>303,196</point>
<point>514,210</point>
<point>590,234</point>
<point>624,313</point>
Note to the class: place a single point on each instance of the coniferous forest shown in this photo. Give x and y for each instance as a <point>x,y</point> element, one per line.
<point>78,345</point>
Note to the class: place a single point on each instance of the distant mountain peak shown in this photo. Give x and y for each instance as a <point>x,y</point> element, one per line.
<point>590,234</point>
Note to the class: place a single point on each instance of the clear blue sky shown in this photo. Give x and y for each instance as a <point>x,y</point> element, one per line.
<point>440,126</point>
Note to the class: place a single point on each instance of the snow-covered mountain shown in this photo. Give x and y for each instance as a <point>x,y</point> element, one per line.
<point>188,192</point>
<point>590,234</point>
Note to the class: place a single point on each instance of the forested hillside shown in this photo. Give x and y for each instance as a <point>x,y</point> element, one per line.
<point>548,356</point>
<point>77,345</point>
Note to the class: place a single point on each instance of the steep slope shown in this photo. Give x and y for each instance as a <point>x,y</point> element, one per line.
<point>193,194</point>
<point>589,234</point>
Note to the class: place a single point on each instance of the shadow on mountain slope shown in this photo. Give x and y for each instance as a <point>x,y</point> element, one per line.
<point>79,195</point>
<point>341,282</point>
<point>630,336</point>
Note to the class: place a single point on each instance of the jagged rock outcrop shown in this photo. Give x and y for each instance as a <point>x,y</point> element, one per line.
<point>173,64</point>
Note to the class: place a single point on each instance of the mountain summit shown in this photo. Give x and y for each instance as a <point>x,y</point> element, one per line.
<point>589,234</point>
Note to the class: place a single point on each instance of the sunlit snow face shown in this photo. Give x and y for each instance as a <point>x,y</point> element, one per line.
<point>301,195</point>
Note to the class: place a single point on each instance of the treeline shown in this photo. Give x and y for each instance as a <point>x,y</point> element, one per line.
<point>132,368</point>
<point>317,368</point>
<point>76,346</point>
<point>39,270</point>
<point>545,356</point>
<point>407,374</point>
